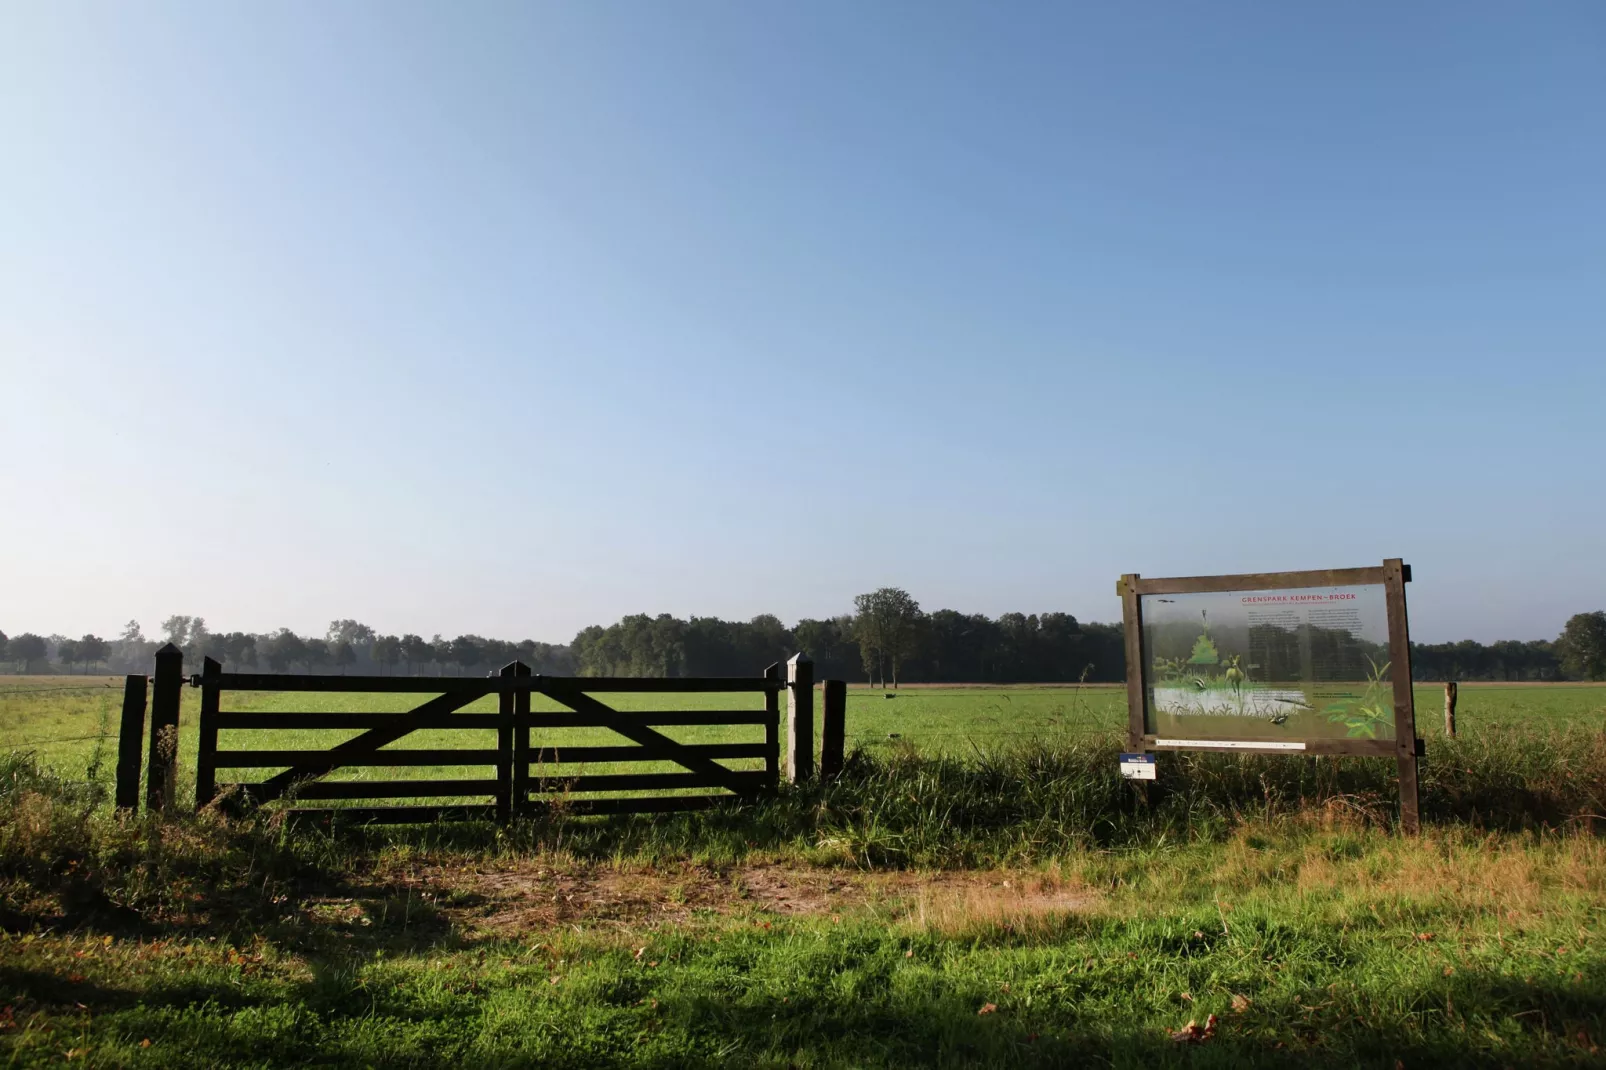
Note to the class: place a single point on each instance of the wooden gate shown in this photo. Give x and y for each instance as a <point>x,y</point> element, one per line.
<point>526,775</point>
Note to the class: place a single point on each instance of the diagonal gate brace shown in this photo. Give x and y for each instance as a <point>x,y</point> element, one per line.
<point>353,750</point>
<point>654,743</point>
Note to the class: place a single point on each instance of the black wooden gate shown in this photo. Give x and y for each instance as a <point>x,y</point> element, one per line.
<point>513,787</point>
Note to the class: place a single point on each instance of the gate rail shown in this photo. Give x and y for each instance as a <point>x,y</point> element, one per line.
<point>516,793</point>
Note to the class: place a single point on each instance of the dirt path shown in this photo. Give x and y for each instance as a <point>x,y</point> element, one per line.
<point>522,898</point>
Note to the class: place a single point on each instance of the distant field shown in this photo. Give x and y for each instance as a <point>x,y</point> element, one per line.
<point>65,719</point>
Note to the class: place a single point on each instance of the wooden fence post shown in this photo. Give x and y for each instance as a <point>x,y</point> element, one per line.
<point>166,685</point>
<point>833,728</point>
<point>1136,700</point>
<point>521,744</point>
<point>506,760</point>
<point>772,728</point>
<point>799,719</point>
<point>206,746</point>
<point>1449,708</point>
<point>130,737</point>
<point>1395,576</point>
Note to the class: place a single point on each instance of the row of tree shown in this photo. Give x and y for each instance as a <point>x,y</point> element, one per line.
<point>888,633</point>
<point>347,646</point>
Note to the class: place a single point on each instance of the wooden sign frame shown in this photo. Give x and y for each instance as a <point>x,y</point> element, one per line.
<point>1393,575</point>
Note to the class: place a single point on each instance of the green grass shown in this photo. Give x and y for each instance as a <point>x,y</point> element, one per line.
<point>1271,891</point>
<point>1325,946</point>
<point>937,720</point>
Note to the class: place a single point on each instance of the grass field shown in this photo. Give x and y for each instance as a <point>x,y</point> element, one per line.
<point>64,718</point>
<point>980,889</point>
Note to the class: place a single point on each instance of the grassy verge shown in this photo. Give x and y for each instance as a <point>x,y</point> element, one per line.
<point>1333,946</point>
<point>1016,907</point>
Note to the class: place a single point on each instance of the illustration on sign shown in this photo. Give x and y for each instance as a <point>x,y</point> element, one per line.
<point>1302,663</point>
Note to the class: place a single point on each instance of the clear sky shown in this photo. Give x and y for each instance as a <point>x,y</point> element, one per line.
<point>512,318</point>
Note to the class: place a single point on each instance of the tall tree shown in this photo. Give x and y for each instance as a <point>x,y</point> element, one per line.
<point>284,650</point>
<point>176,629</point>
<point>888,622</point>
<point>900,632</point>
<point>67,653</point>
<point>132,651</point>
<point>867,624</point>
<point>1582,645</point>
<point>416,651</point>
<point>830,643</point>
<point>240,648</point>
<point>385,651</point>
<point>2,646</point>
<point>344,655</point>
<point>214,645</point>
<point>200,641</point>
<point>92,650</point>
<point>350,631</point>
<point>467,651</point>
<point>315,652</point>
<point>499,652</point>
<point>26,649</point>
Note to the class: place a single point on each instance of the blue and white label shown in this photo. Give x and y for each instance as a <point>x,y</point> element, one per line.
<point>1137,766</point>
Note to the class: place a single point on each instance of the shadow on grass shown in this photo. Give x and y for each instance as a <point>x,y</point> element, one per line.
<point>335,1019</point>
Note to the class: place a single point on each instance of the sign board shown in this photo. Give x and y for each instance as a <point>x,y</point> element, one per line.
<point>1285,662</point>
<point>1137,766</point>
<point>1305,663</point>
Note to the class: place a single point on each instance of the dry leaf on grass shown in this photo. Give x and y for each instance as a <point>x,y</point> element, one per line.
<point>988,1008</point>
<point>1239,1003</point>
<point>1194,1033</point>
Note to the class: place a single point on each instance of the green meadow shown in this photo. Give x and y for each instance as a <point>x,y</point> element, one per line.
<point>980,888</point>
<point>63,719</point>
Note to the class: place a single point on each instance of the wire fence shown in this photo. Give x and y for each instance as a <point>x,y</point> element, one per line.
<point>922,733</point>
<point>108,690</point>
<point>4,691</point>
<point>61,739</point>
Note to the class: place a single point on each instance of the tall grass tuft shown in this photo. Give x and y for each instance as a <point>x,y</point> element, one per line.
<point>66,858</point>
<point>1030,802</point>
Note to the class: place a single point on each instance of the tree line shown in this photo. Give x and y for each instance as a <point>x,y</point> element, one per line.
<point>887,639</point>
<point>347,646</point>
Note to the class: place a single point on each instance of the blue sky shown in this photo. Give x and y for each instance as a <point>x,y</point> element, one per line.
<point>511,318</point>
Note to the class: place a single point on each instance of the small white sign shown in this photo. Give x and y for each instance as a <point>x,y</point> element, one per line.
<point>1231,744</point>
<point>1137,766</point>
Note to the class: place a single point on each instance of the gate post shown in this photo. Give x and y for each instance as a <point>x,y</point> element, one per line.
<point>165,697</point>
<point>130,737</point>
<point>833,728</point>
<point>772,728</point>
<point>504,749</point>
<point>521,743</point>
<point>799,718</point>
<point>206,748</point>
